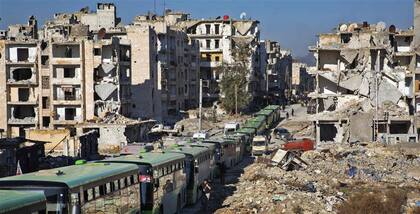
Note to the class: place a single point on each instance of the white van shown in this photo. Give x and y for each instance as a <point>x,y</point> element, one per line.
<point>231,127</point>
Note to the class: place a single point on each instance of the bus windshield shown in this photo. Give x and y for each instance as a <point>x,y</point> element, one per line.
<point>259,143</point>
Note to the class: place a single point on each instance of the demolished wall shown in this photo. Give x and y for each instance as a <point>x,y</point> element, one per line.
<point>357,74</point>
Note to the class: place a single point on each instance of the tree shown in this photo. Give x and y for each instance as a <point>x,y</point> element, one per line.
<point>234,80</point>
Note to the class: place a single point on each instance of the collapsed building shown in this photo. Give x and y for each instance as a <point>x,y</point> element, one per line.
<point>364,84</point>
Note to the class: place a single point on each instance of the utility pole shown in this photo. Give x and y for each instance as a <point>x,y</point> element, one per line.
<point>236,99</point>
<point>200,104</point>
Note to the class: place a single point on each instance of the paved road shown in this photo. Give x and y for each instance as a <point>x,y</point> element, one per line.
<point>221,192</point>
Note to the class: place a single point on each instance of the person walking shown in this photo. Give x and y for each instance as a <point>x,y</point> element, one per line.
<point>205,198</point>
<point>293,112</point>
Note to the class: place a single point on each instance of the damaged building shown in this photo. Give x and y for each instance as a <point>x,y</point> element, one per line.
<point>302,81</point>
<point>216,38</point>
<point>276,64</point>
<point>364,84</point>
<point>170,71</point>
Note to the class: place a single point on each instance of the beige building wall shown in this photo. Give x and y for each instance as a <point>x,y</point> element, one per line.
<point>143,70</point>
<point>89,93</point>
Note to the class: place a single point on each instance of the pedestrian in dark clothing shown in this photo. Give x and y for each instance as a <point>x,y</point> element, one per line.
<point>293,112</point>
<point>206,189</point>
<point>287,115</point>
<point>222,169</point>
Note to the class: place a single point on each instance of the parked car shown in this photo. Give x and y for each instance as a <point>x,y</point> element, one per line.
<point>281,133</point>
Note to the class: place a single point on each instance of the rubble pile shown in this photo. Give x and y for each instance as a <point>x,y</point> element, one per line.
<point>299,129</point>
<point>212,120</point>
<point>333,174</point>
<point>114,118</point>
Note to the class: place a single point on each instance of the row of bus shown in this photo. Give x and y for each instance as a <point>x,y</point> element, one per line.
<point>149,182</point>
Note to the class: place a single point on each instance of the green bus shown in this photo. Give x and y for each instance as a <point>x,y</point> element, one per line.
<point>268,115</point>
<point>22,202</point>
<point>162,180</point>
<point>276,111</point>
<point>212,148</point>
<point>197,165</point>
<point>257,123</point>
<point>86,188</point>
<point>239,141</point>
<point>225,150</point>
<point>249,133</point>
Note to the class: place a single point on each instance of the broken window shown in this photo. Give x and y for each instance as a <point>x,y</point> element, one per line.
<point>45,82</point>
<point>97,51</point>
<point>44,60</point>
<point>22,74</point>
<point>23,94</point>
<point>216,43</point>
<point>70,113</point>
<point>399,128</point>
<point>22,112</point>
<point>69,93</point>
<point>69,73</point>
<point>22,54</point>
<point>216,29</point>
<point>68,52</point>
<point>46,122</point>
<point>45,102</point>
<point>327,132</point>
<point>207,29</point>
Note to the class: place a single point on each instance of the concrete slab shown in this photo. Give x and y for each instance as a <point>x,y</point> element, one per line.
<point>104,90</point>
<point>353,83</point>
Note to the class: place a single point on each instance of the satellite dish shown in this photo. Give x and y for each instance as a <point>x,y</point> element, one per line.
<point>381,26</point>
<point>352,27</point>
<point>243,15</point>
<point>343,28</point>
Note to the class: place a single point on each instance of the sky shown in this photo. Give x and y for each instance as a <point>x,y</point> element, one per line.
<point>293,23</point>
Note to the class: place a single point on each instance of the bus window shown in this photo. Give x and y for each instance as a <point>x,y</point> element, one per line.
<point>97,192</point>
<point>128,181</point>
<point>116,185</point>
<point>122,183</point>
<point>90,194</point>
<point>108,188</point>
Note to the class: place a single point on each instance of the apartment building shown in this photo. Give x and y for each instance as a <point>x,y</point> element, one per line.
<point>216,39</point>
<point>177,66</point>
<point>302,81</point>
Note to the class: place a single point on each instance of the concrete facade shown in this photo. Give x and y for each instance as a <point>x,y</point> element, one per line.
<point>176,64</point>
<point>216,39</point>
<point>302,81</point>
<point>370,68</point>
